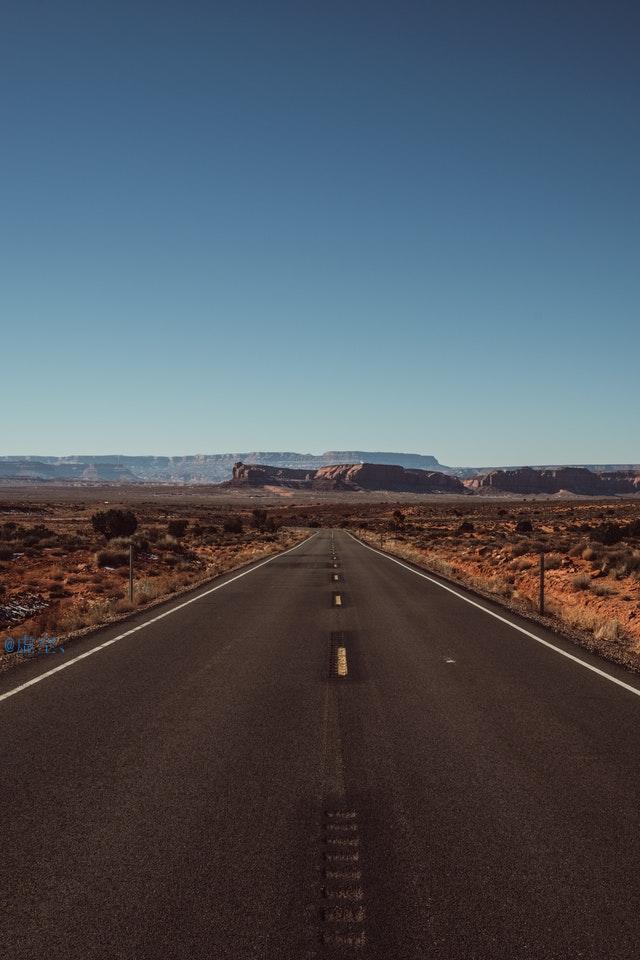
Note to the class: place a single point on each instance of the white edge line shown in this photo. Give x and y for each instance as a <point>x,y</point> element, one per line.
<point>497,616</point>
<point>141,626</point>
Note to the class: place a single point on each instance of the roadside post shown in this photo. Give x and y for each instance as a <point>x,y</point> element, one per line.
<point>541,583</point>
<point>130,573</point>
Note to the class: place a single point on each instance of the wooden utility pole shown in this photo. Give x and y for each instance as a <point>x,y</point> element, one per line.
<point>542,582</point>
<point>130,573</point>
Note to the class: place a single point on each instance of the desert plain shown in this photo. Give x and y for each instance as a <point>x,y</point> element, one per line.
<point>61,578</point>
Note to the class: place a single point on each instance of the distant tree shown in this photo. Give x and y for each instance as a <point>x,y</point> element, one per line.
<point>114,523</point>
<point>524,526</point>
<point>232,525</point>
<point>396,522</point>
<point>259,519</point>
<point>177,528</point>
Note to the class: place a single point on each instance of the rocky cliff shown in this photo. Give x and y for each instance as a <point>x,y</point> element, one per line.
<point>376,476</point>
<point>528,481</point>
<point>202,468</point>
<point>346,476</point>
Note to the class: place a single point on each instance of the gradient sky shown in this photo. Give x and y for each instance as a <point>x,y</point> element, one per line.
<point>328,225</point>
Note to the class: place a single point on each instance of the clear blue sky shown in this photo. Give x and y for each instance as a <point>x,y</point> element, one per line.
<point>328,225</point>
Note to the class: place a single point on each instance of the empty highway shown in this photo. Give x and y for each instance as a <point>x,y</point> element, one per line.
<point>327,755</point>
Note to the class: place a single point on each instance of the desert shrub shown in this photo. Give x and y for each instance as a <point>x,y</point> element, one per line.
<point>119,543</point>
<point>610,630</point>
<point>169,544</point>
<point>608,533</point>
<point>232,525</point>
<point>57,590</point>
<point>114,523</point>
<point>112,558</point>
<point>633,528</point>
<point>465,527</point>
<point>32,542</point>
<point>153,534</point>
<point>6,552</point>
<point>589,554</point>
<point>581,581</point>
<point>177,528</point>
<point>37,533</point>
<point>523,563</point>
<point>259,519</point>
<point>519,549</point>
<point>73,542</point>
<point>314,524</point>
<point>124,605</point>
<point>524,526</point>
<point>552,561</point>
<point>604,590</point>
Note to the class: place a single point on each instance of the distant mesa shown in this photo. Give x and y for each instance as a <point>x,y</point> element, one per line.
<point>576,480</point>
<point>378,476</point>
<point>36,470</point>
<point>196,468</point>
<point>346,476</point>
<point>334,470</point>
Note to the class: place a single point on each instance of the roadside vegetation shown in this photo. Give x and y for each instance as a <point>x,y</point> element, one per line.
<point>592,560</point>
<point>71,572</point>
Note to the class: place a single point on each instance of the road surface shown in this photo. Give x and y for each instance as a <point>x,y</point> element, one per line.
<point>294,766</point>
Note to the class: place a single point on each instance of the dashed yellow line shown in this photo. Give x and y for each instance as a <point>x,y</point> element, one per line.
<point>337,600</point>
<point>341,661</point>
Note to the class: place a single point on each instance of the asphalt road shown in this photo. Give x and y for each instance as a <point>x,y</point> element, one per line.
<point>209,787</point>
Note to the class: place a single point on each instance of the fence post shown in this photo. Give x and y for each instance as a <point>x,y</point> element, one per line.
<point>542,582</point>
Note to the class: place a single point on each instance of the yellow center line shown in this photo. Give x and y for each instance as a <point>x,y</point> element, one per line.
<point>341,661</point>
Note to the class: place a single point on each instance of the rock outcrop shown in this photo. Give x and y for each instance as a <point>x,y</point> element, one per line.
<point>346,476</point>
<point>378,476</point>
<point>528,481</point>
<point>258,475</point>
